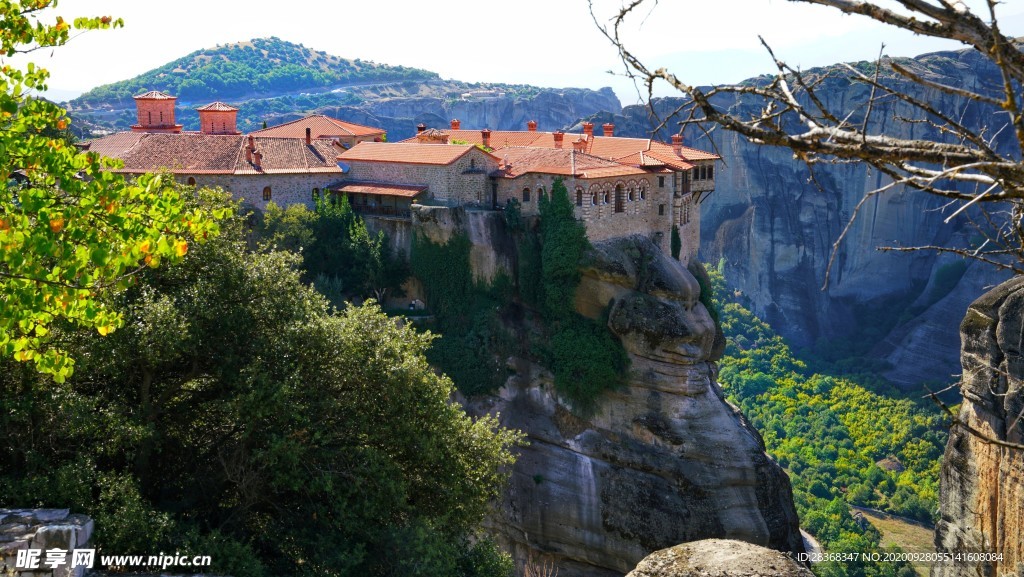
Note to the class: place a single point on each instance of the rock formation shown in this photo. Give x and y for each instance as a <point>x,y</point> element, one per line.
<point>665,460</point>
<point>982,482</point>
<point>44,530</point>
<point>775,229</point>
<point>718,558</point>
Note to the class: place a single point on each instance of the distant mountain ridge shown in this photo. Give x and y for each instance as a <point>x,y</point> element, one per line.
<point>274,81</point>
<point>242,69</point>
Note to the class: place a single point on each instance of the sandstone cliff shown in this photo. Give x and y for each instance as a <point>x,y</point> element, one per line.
<point>718,558</point>
<point>982,483</point>
<point>663,461</point>
<point>775,229</point>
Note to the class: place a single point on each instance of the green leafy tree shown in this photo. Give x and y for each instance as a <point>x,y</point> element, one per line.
<point>70,230</point>
<point>235,411</point>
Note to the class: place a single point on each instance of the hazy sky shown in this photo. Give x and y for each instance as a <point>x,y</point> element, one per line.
<point>542,42</point>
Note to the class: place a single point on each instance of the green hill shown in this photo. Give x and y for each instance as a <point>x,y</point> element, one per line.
<point>259,66</point>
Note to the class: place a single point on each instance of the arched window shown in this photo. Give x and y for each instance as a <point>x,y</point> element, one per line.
<point>579,196</point>
<point>526,194</point>
<point>620,196</point>
<point>593,199</point>
<point>191,181</point>
<point>629,195</point>
<point>605,197</point>
<point>643,191</point>
<point>266,193</point>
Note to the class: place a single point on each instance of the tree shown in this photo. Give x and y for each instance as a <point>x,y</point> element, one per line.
<point>236,408</point>
<point>961,163</point>
<point>70,229</point>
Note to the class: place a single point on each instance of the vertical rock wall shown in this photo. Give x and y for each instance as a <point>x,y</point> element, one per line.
<point>982,483</point>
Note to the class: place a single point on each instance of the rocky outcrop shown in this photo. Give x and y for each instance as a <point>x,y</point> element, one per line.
<point>982,481</point>
<point>719,558</point>
<point>774,227</point>
<point>665,460</point>
<point>41,531</point>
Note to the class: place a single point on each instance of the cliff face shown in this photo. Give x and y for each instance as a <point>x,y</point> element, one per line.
<point>663,461</point>
<point>775,229</point>
<point>982,483</point>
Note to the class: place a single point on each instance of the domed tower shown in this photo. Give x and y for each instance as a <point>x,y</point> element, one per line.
<point>218,118</point>
<point>156,113</point>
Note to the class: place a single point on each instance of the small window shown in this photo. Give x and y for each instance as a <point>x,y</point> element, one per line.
<point>711,172</point>
<point>630,197</point>
<point>526,194</point>
<point>661,182</point>
<point>643,192</point>
<point>593,199</point>
<point>266,193</point>
<point>579,196</point>
<point>472,163</point>
<point>661,210</point>
<point>696,173</point>
<point>191,181</point>
<point>607,196</point>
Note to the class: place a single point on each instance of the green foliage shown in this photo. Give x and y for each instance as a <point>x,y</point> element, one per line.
<point>829,432</point>
<point>70,230</point>
<point>677,242</point>
<point>262,65</point>
<point>234,407</point>
<point>586,359</point>
<point>563,244</point>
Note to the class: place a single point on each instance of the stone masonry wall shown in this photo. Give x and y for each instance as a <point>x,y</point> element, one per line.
<point>285,189</point>
<point>464,182</point>
<point>39,531</point>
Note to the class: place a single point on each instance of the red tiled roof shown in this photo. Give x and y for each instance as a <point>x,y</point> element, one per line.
<point>198,153</point>
<point>404,191</point>
<point>568,162</point>
<point>320,127</point>
<point>219,106</point>
<point>610,147</point>
<point>115,145</point>
<point>406,152</point>
<point>155,95</point>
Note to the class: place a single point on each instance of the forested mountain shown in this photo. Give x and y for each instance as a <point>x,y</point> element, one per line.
<point>260,66</point>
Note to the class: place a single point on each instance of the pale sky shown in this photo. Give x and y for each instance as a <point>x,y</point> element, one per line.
<point>550,43</point>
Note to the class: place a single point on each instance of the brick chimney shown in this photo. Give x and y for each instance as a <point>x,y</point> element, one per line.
<point>588,129</point>
<point>456,124</point>
<point>309,136</point>
<point>558,136</point>
<point>421,128</point>
<point>677,144</point>
<point>531,125</point>
<point>248,155</point>
<point>485,135</point>
<point>580,145</point>
<point>258,160</point>
<point>608,128</point>
<point>218,118</point>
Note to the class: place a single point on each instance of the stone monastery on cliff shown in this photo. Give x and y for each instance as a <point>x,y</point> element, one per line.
<point>620,186</point>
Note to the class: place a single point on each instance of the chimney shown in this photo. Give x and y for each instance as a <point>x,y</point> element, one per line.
<point>248,155</point>
<point>309,136</point>
<point>252,143</point>
<point>420,128</point>
<point>588,129</point>
<point>531,126</point>
<point>485,135</point>
<point>558,138</point>
<point>677,144</point>
<point>608,128</point>
<point>580,145</point>
<point>456,123</point>
<point>258,157</point>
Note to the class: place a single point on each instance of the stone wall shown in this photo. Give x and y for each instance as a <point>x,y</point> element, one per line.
<point>43,530</point>
<point>464,182</point>
<point>285,189</point>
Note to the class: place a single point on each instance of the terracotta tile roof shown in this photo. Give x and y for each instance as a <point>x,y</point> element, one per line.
<point>187,152</point>
<point>115,145</point>
<point>567,162</point>
<point>611,147</point>
<point>197,153</point>
<point>219,106</point>
<point>155,95</point>
<point>404,191</point>
<point>289,155</point>
<point>320,127</point>
<point>406,152</point>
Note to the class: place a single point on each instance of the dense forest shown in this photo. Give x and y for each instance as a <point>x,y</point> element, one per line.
<point>845,440</point>
<point>261,66</point>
